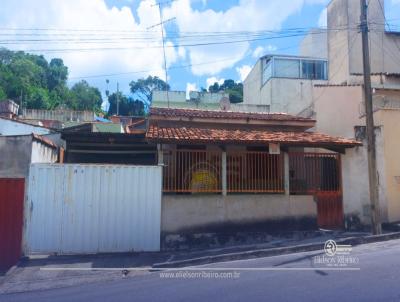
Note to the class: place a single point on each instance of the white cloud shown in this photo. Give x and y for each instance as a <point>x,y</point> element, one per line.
<point>247,15</point>
<point>323,18</point>
<point>243,72</point>
<point>117,25</point>
<point>190,87</point>
<point>212,80</point>
<point>260,51</point>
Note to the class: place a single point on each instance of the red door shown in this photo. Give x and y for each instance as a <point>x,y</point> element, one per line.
<point>330,210</point>
<point>11,212</point>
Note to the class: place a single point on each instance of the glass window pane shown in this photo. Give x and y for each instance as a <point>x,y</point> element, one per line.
<point>308,70</point>
<point>267,73</point>
<point>287,68</point>
<point>314,70</point>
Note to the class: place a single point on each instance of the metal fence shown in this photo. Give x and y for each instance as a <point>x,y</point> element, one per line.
<point>314,172</point>
<point>200,171</point>
<point>192,171</point>
<point>255,172</point>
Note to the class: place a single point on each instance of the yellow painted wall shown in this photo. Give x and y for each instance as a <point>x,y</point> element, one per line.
<point>390,119</point>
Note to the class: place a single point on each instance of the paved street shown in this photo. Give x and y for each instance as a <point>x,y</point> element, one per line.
<point>377,280</point>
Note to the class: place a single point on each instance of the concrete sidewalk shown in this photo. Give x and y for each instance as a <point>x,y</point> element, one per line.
<point>46,272</point>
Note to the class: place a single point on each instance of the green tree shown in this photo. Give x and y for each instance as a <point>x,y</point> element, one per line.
<point>3,94</point>
<point>37,98</point>
<point>57,74</point>
<point>234,89</point>
<point>43,85</point>
<point>127,105</point>
<point>85,97</point>
<point>142,89</point>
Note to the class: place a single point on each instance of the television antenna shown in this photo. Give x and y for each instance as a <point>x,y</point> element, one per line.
<point>162,22</point>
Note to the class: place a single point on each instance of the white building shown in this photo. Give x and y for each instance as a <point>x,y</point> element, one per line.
<point>283,83</point>
<point>196,99</point>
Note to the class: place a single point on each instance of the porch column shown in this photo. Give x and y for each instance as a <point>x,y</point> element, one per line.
<point>286,172</point>
<point>224,184</point>
<point>160,156</point>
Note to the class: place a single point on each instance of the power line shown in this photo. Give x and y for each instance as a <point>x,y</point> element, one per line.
<point>183,66</point>
<point>167,46</point>
<point>144,71</point>
<point>339,68</point>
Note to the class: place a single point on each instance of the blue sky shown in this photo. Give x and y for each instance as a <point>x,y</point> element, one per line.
<point>115,21</point>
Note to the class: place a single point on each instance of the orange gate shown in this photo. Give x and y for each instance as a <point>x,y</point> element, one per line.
<point>319,174</point>
<point>330,210</point>
<point>11,213</point>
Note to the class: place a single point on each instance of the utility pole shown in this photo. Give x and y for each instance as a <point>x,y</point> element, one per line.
<point>369,117</point>
<point>117,99</point>
<point>159,4</point>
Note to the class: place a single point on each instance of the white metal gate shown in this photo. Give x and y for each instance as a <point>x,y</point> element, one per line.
<point>92,208</point>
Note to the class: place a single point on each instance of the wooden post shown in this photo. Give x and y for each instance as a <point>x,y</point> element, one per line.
<point>369,117</point>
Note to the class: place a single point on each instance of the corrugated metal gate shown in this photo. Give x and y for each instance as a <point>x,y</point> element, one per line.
<point>93,208</point>
<point>11,212</point>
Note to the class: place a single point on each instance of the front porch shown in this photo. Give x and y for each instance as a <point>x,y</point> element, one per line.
<point>211,188</point>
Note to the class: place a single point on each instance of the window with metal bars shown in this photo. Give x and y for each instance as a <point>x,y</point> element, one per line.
<point>200,171</point>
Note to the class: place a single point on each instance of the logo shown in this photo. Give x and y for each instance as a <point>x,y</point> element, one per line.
<point>337,255</point>
<point>331,248</point>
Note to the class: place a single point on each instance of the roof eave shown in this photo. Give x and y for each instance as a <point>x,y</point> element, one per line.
<point>256,142</point>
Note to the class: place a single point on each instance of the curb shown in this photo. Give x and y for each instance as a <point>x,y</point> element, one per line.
<point>273,251</point>
<point>9,272</point>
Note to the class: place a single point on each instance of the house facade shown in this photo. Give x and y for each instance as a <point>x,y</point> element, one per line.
<point>233,170</point>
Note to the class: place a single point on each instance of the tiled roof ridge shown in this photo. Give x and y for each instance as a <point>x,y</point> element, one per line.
<point>201,113</point>
<point>240,135</point>
<point>224,111</point>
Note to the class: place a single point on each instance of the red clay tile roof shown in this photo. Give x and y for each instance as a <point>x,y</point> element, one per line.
<point>211,135</point>
<point>218,114</point>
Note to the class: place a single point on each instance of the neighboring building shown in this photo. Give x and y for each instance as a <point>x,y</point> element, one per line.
<point>108,143</point>
<point>345,103</point>
<point>61,115</point>
<point>19,151</point>
<point>339,106</point>
<point>344,46</point>
<point>8,109</point>
<point>283,83</point>
<point>200,100</point>
<point>17,127</point>
<point>315,44</point>
<point>57,119</point>
<point>226,170</point>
